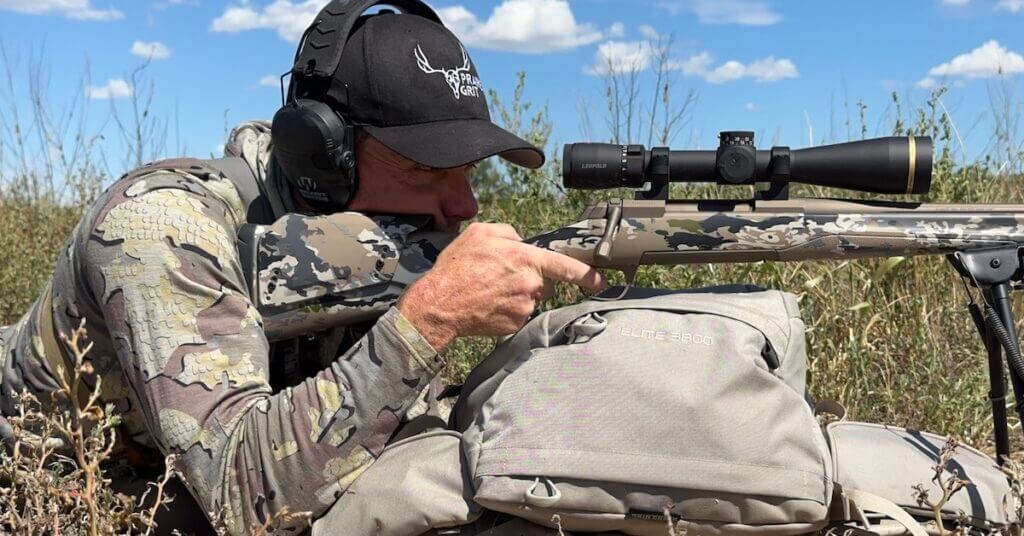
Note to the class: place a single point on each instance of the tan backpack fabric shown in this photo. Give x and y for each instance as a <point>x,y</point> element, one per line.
<point>416,485</point>
<point>876,468</point>
<point>615,415</point>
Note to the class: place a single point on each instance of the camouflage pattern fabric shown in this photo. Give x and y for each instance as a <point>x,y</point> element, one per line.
<point>656,232</point>
<point>154,271</point>
<point>311,273</point>
<point>6,432</point>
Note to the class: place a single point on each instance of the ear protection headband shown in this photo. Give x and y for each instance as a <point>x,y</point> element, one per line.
<point>314,143</point>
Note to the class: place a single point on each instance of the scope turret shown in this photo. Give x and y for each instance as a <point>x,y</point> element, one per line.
<point>891,165</point>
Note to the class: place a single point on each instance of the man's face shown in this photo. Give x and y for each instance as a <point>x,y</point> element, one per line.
<point>392,184</point>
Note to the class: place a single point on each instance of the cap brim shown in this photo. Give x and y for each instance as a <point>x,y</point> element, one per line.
<point>448,144</point>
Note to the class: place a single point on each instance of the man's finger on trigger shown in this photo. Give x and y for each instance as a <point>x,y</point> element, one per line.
<point>569,270</point>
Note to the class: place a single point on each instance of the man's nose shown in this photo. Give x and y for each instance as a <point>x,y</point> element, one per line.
<point>460,203</point>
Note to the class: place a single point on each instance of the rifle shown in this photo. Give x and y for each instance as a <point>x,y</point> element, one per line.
<point>627,234</point>
<point>303,273</point>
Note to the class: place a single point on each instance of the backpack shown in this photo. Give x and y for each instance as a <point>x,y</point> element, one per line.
<point>684,408</point>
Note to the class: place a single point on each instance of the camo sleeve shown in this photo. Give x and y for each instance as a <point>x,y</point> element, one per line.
<point>164,270</point>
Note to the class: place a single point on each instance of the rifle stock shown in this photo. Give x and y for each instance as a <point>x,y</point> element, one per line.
<point>311,273</point>
<point>626,234</point>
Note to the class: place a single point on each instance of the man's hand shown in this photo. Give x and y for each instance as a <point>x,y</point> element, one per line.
<point>487,282</point>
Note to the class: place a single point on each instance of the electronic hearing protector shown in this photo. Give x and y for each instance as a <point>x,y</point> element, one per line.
<point>313,142</point>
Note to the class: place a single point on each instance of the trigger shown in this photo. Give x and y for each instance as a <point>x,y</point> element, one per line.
<point>630,273</point>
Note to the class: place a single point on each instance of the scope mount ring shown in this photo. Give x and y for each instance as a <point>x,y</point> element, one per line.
<point>658,176</point>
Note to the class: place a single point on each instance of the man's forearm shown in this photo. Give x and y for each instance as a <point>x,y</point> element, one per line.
<point>419,306</point>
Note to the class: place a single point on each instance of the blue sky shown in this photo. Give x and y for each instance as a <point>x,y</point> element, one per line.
<point>785,69</point>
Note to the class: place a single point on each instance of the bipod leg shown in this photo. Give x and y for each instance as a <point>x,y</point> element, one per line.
<point>1006,335</point>
<point>991,271</point>
<point>997,383</point>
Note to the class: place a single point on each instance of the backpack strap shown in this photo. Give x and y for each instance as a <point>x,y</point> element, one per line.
<point>57,357</point>
<point>250,188</point>
<point>865,501</point>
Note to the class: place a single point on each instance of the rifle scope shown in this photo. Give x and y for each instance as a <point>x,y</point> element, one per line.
<point>892,165</point>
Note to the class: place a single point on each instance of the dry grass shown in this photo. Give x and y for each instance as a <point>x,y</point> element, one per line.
<point>55,474</point>
<point>52,480</point>
<point>948,486</point>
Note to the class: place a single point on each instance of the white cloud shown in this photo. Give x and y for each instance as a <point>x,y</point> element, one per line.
<point>770,69</point>
<point>72,9</point>
<point>649,32</point>
<point>620,57</point>
<point>617,29</point>
<point>744,12</point>
<point>153,50</point>
<point>926,83</point>
<point>457,17</point>
<point>763,70</point>
<point>270,81</point>
<point>988,60</point>
<point>1013,6</point>
<point>697,64</point>
<point>114,89</point>
<point>956,2</point>
<point>726,72</point>
<point>289,19</point>
<point>750,107</point>
<point>530,26</point>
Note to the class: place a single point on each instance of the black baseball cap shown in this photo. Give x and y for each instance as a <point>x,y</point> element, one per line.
<point>410,84</point>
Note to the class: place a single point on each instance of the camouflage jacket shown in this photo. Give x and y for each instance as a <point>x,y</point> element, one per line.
<point>153,269</point>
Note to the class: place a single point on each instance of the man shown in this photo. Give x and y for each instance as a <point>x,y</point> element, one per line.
<point>153,270</point>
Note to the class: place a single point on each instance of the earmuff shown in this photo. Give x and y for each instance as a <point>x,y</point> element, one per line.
<point>314,143</point>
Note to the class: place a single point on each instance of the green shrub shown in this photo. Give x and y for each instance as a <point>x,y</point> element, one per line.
<point>31,235</point>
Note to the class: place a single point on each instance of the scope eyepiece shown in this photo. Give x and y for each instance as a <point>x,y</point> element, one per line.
<point>891,165</point>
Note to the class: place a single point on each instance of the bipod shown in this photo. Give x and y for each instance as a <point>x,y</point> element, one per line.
<point>991,271</point>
